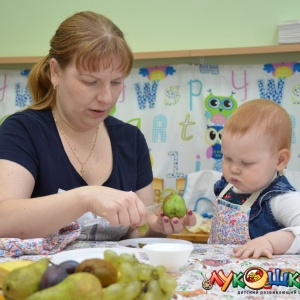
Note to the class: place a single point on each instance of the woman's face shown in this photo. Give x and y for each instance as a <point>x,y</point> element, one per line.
<point>86,98</point>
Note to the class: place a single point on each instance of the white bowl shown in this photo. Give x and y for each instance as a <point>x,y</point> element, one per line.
<point>140,243</point>
<point>171,255</point>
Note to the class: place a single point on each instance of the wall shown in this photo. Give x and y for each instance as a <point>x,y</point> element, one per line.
<point>172,107</point>
<point>27,26</point>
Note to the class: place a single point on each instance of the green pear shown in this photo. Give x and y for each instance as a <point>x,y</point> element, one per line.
<point>81,285</point>
<point>174,206</point>
<point>24,281</point>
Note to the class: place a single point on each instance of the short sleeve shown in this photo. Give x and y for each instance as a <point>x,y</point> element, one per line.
<point>17,142</point>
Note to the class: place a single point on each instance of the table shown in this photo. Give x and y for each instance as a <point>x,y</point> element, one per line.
<point>212,263</point>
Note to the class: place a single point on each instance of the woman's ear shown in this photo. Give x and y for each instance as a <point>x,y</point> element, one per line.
<point>283,158</point>
<point>54,72</point>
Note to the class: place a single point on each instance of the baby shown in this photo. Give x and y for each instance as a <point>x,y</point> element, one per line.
<point>256,207</point>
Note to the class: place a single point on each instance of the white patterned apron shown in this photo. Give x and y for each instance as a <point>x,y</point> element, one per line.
<point>230,221</point>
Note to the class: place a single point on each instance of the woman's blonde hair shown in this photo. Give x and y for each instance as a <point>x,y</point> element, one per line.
<point>89,39</point>
<point>266,116</point>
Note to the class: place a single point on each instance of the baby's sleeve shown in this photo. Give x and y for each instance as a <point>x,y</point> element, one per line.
<point>295,247</point>
<point>286,210</point>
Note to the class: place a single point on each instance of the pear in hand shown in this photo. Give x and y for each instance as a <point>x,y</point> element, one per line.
<point>174,206</point>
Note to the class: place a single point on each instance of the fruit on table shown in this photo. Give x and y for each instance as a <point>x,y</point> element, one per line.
<point>8,266</point>
<point>134,280</point>
<point>24,281</point>
<point>174,206</point>
<point>104,270</point>
<point>138,280</point>
<point>52,276</point>
<point>81,285</point>
<point>69,265</point>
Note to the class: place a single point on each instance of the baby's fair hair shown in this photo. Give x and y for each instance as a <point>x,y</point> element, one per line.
<point>265,116</point>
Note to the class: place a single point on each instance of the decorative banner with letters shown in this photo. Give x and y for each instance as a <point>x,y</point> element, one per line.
<point>182,109</point>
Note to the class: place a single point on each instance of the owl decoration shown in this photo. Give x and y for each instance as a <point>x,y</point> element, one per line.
<point>157,73</point>
<point>282,70</point>
<point>213,138</point>
<point>219,108</point>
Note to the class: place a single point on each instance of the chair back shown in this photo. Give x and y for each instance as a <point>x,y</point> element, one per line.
<point>158,186</point>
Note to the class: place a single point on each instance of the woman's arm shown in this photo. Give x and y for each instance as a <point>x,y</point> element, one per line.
<point>25,217</point>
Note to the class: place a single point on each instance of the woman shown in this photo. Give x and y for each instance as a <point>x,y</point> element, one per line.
<point>64,158</point>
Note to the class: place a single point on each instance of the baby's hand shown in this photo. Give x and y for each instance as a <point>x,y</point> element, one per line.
<point>256,248</point>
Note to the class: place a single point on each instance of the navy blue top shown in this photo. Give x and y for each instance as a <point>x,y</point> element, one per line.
<point>30,138</point>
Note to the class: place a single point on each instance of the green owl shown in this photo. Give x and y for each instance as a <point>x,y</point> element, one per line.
<point>219,108</point>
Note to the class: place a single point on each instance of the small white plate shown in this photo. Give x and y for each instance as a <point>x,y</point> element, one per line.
<point>135,243</point>
<point>87,253</point>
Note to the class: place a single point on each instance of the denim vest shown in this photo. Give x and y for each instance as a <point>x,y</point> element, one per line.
<point>261,220</point>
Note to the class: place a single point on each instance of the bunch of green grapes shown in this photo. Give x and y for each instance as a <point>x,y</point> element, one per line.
<point>138,281</point>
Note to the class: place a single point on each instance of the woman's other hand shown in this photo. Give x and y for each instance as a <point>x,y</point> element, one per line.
<point>163,224</point>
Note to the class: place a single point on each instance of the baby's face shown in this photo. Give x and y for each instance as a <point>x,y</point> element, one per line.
<point>248,162</point>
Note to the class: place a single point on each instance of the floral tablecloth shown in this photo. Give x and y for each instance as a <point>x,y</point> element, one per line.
<point>212,272</point>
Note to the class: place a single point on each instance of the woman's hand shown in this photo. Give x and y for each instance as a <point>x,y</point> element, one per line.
<point>118,207</point>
